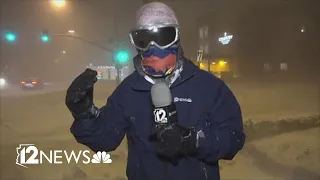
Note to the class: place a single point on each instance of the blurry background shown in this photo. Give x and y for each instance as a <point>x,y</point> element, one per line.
<point>268,53</point>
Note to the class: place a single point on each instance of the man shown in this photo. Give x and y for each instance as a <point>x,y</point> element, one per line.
<point>209,124</point>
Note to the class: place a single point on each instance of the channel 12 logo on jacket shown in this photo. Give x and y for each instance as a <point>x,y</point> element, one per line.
<point>160,115</point>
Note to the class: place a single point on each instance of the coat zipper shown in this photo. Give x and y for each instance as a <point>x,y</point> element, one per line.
<point>204,169</point>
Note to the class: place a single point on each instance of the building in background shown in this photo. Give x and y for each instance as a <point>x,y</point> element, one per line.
<point>261,41</point>
<point>218,55</point>
<point>110,72</point>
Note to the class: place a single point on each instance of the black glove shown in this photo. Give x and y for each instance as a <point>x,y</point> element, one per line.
<point>79,98</point>
<point>174,140</point>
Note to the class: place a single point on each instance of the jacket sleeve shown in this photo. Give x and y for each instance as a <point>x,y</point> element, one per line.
<point>105,132</point>
<point>222,135</point>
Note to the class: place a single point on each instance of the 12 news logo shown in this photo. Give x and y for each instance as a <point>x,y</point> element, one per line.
<point>160,115</point>
<point>29,154</point>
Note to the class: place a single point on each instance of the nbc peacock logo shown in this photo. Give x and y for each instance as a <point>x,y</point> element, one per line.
<point>101,157</point>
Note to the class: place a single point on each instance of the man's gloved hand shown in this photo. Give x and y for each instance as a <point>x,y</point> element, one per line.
<point>174,140</point>
<point>79,98</point>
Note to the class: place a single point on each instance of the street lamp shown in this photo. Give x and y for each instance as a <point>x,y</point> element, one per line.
<point>59,3</point>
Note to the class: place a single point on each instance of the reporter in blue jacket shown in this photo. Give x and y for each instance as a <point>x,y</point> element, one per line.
<point>209,124</point>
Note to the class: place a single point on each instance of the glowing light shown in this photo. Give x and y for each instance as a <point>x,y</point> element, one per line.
<point>122,57</point>
<point>45,38</point>
<point>59,3</point>
<point>222,63</point>
<point>2,82</point>
<point>11,37</point>
<point>225,39</point>
<point>303,29</point>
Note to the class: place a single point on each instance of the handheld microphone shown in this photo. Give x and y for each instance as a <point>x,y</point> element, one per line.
<point>164,110</point>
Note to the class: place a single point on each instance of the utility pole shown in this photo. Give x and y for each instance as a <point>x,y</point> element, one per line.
<point>120,56</point>
<point>116,45</point>
<point>117,65</point>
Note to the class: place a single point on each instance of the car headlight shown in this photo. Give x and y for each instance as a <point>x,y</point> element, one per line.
<point>2,82</point>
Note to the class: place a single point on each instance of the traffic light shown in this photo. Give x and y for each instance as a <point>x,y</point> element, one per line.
<point>122,57</point>
<point>10,36</point>
<point>45,37</point>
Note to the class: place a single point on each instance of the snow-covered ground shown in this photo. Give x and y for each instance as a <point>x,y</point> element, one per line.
<point>274,101</point>
<point>294,154</point>
<point>44,120</point>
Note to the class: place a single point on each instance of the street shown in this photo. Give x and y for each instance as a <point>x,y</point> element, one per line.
<point>17,91</point>
<point>44,120</point>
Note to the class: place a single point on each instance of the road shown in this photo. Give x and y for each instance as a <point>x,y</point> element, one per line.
<point>16,91</point>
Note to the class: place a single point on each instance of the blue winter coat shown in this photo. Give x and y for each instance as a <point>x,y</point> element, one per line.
<point>202,101</point>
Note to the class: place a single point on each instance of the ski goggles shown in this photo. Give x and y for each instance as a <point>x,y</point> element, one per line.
<point>161,37</point>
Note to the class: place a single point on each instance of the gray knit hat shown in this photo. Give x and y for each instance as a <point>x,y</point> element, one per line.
<point>155,14</point>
